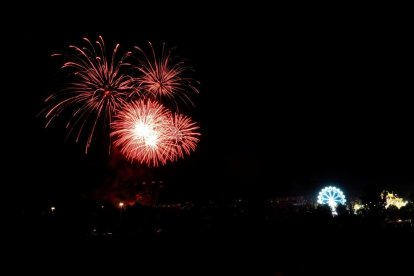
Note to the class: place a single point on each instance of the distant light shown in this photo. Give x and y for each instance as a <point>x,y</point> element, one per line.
<point>52,208</point>
<point>357,207</point>
<point>394,200</point>
<point>331,196</point>
<point>121,204</point>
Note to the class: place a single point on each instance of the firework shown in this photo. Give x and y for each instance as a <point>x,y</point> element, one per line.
<point>147,132</point>
<point>182,135</point>
<point>140,131</point>
<point>103,92</point>
<point>161,77</point>
<point>98,87</point>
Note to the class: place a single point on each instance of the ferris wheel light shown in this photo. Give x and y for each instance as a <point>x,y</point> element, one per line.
<point>332,197</point>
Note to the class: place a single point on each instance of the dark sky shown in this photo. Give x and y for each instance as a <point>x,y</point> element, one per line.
<point>288,103</point>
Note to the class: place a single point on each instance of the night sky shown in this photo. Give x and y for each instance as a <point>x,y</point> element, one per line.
<point>287,104</point>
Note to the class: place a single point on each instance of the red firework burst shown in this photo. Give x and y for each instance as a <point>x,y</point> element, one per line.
<point>163,78</point>
<point>97,89</point>
<point>182,135</point>
<point>147,132</point>
<point>140,131</point>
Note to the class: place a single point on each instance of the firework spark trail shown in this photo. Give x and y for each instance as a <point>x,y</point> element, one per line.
<point>98,88</point>
<point>162,78</point>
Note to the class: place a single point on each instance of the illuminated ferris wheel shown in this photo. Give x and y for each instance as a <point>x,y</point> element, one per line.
<point>332,197</point>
